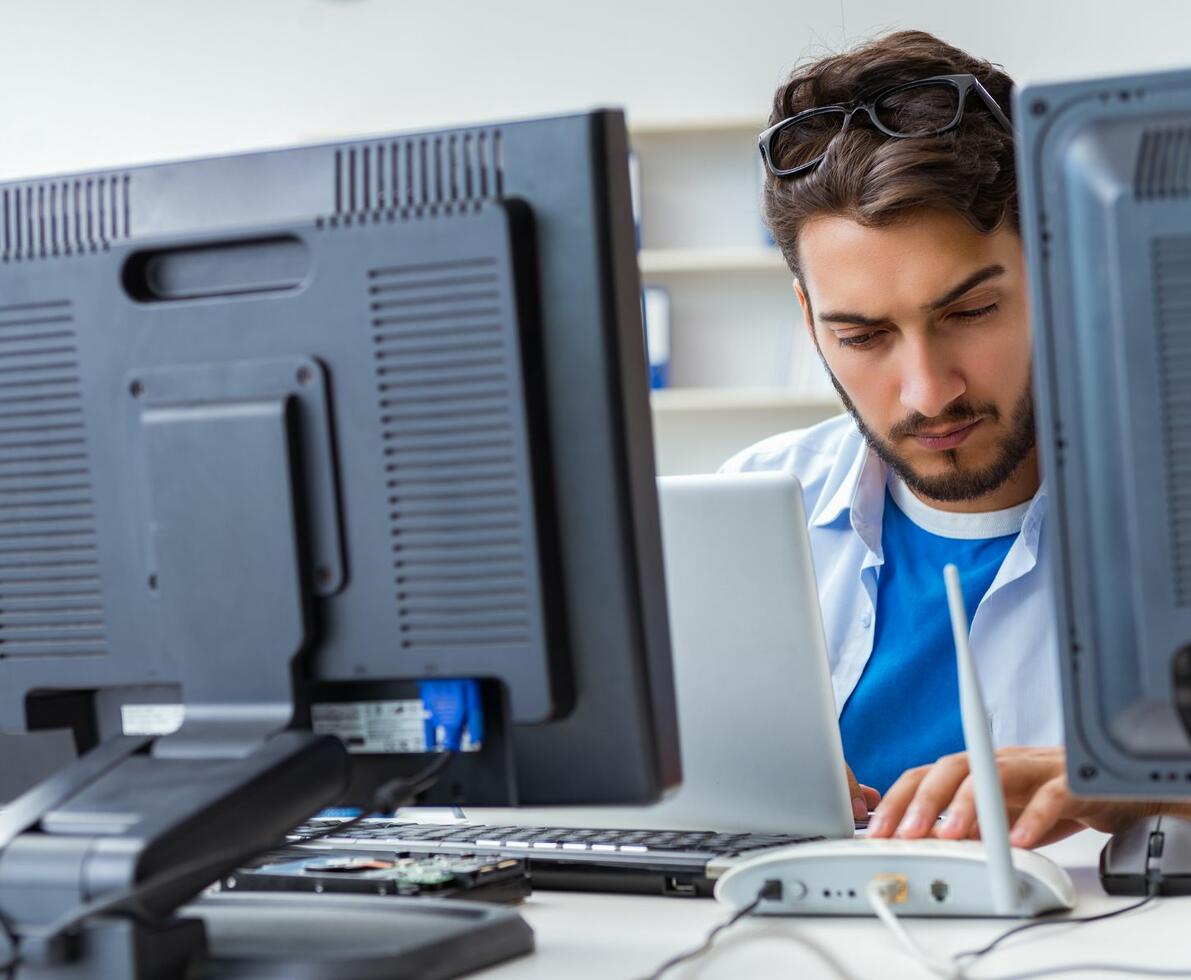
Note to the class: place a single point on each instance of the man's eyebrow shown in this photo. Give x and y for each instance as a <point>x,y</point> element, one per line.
<point>859,319</point>
<point>974,280</point>
<point>949,297</point>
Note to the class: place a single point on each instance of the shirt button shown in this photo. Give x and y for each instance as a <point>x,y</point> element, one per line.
<point>866,620</point>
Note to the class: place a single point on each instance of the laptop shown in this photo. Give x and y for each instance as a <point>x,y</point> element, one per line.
<point>762,760</point>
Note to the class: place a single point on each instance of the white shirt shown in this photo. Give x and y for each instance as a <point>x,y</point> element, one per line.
<point>1013,628</point>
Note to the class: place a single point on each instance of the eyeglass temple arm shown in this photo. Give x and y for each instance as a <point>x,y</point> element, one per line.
<point>991,103</point>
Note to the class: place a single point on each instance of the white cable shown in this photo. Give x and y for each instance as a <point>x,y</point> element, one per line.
<point>879,893</point>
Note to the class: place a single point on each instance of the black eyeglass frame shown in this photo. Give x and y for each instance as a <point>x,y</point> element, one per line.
<point>964,85</point>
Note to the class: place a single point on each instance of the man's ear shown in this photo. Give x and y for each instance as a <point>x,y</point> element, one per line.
<point>807,315</point>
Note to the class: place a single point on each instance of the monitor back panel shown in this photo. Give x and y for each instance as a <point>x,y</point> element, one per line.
<point>1105,181</point>
<point>79,336</point>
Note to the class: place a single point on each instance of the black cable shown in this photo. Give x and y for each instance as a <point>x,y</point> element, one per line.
<point>765,892</point>
<point>975,954</point>
<point>1115,968</point>
<point>388,797</point>
<point>391,795</point>
<point>9,966</point>
<point>770,890</point>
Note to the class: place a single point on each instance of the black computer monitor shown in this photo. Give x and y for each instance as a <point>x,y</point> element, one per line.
<point>286,435</point>
<point>1104,170</point>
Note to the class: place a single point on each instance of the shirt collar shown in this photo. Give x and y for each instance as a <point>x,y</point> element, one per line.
<point>1031,525</point>
<point>861,493</point>
<point>843,498</point>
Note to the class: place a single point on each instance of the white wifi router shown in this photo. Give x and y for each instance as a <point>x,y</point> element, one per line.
<point>916,877</point>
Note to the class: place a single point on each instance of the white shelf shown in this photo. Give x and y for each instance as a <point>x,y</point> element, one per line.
<point>659,261</point>
<point>682,127</point>
<point>672,400</point>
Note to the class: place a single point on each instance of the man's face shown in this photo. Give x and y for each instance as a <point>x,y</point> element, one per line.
<point>924,327</point>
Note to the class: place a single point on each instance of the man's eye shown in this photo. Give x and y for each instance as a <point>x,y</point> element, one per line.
<point>860,341</point>
<point>979,314</point>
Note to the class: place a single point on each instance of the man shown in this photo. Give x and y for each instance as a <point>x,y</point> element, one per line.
<point>890,190</point>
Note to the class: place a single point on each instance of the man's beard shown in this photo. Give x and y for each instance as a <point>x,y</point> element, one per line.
<point>960,484</point>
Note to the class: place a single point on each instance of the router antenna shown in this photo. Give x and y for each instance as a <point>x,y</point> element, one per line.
<point>990,801</point>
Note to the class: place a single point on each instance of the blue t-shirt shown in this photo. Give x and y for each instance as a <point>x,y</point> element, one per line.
<point>904,710</point>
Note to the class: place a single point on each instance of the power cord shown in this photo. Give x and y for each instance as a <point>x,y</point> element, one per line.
<point>9,966</point>
<point>1083,969</point>
<point>880,894</point>
<point>770,890</point>
<point>389,796</point>
<point>975,954</point>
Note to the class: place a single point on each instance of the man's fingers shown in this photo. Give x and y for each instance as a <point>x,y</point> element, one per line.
<point>1048,806</point>
<point>1064,828</point>
<point>871,796</point>
<point>856,794</point>
<point>884,820</point>
<point>1019,781</point>
<point>903,811</point>
<point>960,821</point>
<point>936,790</point>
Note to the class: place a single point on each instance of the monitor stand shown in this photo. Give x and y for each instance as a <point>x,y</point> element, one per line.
<point>301,936</point>
<point>146,823</point>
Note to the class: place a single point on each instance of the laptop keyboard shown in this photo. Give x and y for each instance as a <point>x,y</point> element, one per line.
<point>559,843</point>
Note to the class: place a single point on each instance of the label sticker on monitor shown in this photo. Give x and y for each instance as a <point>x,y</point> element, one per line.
<point>447,716</point>
<point>373,726</point>
<point>150,719</point>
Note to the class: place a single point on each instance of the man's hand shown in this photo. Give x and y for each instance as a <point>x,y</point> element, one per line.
<point>864,798</point>
<point>1041,807</point>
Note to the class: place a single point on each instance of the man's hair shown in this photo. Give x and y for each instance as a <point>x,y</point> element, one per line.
<point>874,179</point>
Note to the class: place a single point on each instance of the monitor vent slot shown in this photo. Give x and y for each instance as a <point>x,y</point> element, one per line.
<point>1163,164</point>
<point>451,469</point>
<point>50,597</point>
<point>63,217</point>
<point>424,174</point>
<point>1172,309</point>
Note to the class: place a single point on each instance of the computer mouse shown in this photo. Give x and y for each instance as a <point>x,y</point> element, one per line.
<point>1154,852</point>
<point>936,878</point>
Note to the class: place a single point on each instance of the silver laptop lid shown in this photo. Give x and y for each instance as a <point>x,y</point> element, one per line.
<point>760,742</point>
<point>757,719</point>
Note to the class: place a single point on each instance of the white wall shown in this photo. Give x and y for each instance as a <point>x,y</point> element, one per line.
<point>90,83</point>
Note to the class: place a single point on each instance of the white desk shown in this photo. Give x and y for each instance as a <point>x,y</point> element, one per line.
<point>621,936</point>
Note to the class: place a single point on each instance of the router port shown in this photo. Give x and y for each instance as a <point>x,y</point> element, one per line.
<point>939,890</point>
<point>902,892</point>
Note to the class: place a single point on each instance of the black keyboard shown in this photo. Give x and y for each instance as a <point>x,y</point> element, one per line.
<point>673,862</point>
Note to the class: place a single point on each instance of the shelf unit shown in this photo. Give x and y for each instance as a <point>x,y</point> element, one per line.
<point>742,365</point>
<point>679,400</point>
<point>697,429</point>
<point>664,261</point>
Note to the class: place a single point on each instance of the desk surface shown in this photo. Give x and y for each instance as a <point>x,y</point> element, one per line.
<point>586,935</point>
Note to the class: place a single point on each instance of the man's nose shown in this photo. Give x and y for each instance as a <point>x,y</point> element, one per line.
<point>930,380</point>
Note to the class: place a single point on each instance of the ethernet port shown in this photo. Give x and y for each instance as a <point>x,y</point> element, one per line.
<point>939,890</point>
